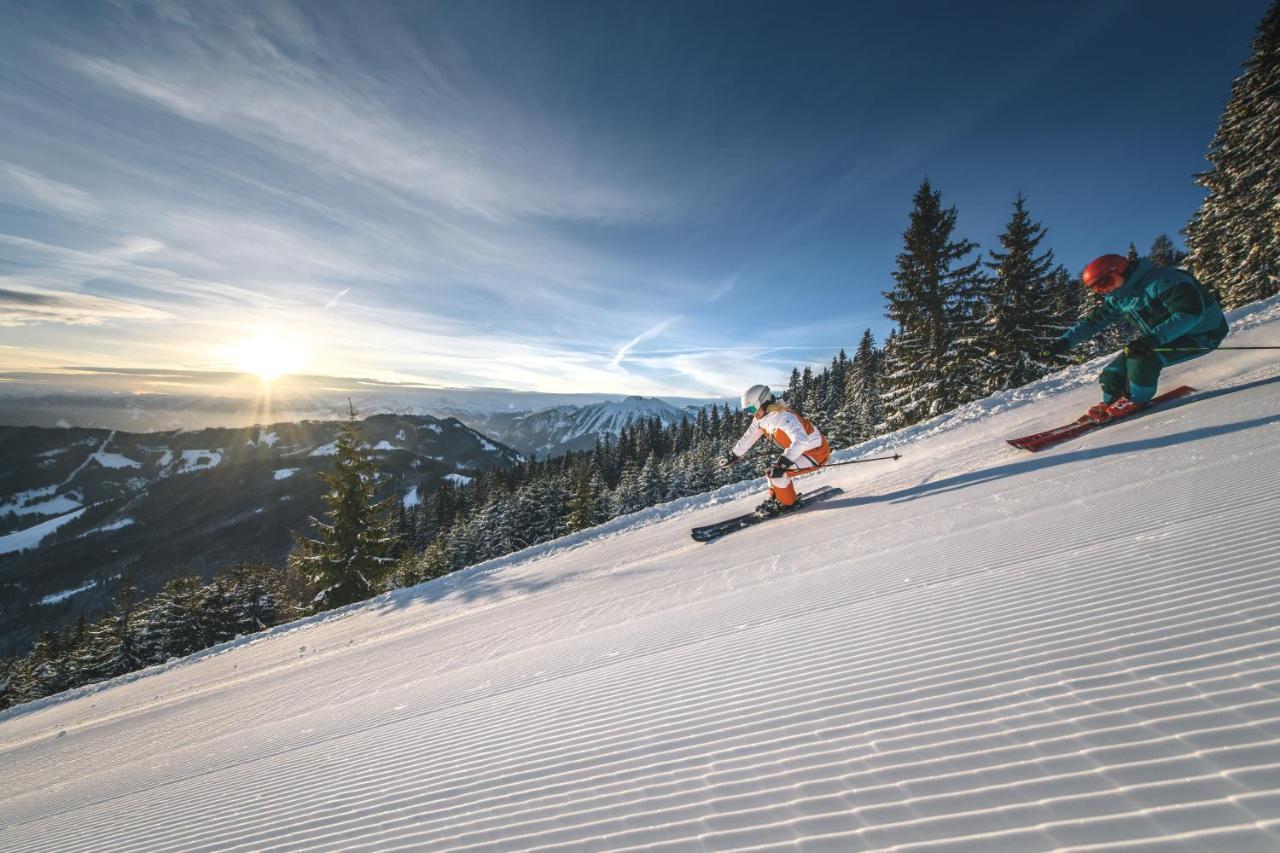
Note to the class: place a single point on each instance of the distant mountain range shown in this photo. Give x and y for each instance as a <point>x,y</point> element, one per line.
<point>150,412</point>
<point>560,429</point>
<point>78,506</point>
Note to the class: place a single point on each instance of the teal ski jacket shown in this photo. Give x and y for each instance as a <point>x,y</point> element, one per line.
<point>1161,303</point>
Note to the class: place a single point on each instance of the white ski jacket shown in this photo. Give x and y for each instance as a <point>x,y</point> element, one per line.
<point>791,431</point>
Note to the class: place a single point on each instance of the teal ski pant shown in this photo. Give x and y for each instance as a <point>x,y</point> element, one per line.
<point>1136,378</point>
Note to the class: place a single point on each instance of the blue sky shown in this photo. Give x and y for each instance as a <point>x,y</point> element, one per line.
<point>662,198</point>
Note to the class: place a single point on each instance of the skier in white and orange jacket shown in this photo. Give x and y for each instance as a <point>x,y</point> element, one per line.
<point>804,448</point>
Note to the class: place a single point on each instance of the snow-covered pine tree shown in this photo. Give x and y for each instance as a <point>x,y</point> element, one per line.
<point>795,388</point>
<point>7,667</point>
<point>860,411</point>
<point>586,507</point>
<point>1233,240</point>
<point>174,620</point>
<point>930,367</point>
<point>1066,295</point>
<point>350,547</point>
<point>1019,325</point>
<point>1132,254</point>
<point>256,598</point>
<point>115,643</point>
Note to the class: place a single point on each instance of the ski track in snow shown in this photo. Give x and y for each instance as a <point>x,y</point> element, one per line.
<point>973,649</point>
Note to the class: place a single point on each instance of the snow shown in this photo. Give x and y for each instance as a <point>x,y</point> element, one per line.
<point>974,649</point>
<point>115,460</point>
<point>411,498</point>
<point>267,438</point>
<point>460,479</point>
<point>436,428</point>
<point>400,436</point>
<point>285,473</point>
<point>67,593</point>
<point>330,449</point>
<point>31,537</point>
<point>487,445</point>
<point>28,496</point>
<point>384,445</point>
<point>56,506</point>
<point>118,524</point>
<point>199,460</point>
<point>166,458</point>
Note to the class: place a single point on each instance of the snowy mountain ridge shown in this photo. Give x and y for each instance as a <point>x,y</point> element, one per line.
<point>973,649</point>
<point>558,430</point>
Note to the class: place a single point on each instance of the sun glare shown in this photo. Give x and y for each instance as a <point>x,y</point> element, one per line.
<point>270,354</point>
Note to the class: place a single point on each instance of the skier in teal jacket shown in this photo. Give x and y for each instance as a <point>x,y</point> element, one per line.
<point>1176,318</point>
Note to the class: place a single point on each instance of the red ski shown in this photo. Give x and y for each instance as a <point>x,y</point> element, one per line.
<point>1048,438</point>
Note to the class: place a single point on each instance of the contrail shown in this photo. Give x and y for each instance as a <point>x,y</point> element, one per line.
<point>643,336</point>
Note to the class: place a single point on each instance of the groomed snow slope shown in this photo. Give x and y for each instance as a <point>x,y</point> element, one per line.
<point>974,649</point>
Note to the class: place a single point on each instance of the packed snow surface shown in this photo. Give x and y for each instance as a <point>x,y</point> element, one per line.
<point>972,649</point>
<point>284,473</point>
<point>459,479</point>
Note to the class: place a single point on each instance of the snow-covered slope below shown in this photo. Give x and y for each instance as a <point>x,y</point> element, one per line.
<point>973,649</point>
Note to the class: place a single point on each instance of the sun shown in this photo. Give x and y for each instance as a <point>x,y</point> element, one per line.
<point>270,354</point>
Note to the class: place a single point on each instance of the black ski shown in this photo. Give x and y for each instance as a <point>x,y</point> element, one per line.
<point>714,531</point>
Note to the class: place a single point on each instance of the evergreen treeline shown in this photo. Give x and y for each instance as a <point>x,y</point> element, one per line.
<point>187,615</point>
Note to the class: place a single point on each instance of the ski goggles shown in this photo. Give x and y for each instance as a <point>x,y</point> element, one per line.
<point>752,409</point>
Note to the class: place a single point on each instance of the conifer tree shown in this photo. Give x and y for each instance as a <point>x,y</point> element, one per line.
<point>174,620</point>
<point>930,367</point>
<point>7,666</point>
<point>587,507</point>
<point>1163,253</point>
<point>1233,240</point>
<point>860,410</point>
<point>350,547</point>
<point>116,643</point>
<point>1019,324</point>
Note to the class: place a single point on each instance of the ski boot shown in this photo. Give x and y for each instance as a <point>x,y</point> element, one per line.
<point>1123,407</point>
<point>1099,413</point>
<point>772,506</point>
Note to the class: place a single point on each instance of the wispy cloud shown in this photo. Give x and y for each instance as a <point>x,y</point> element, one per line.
<point>54,194</point>
<point>337,297</point>
<point>25,308</point>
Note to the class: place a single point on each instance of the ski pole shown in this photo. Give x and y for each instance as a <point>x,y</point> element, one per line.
<point>1201,349</point>
<point>850,462</point>
<point>858,461</point>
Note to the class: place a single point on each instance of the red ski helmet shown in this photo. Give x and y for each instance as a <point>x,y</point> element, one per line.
<point>1106,273</point>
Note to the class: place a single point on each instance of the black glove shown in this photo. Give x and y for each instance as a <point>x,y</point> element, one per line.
<point>727,460</point>
<point>1138,347</point>
<point>780,466</point>
<point>1061,346</point>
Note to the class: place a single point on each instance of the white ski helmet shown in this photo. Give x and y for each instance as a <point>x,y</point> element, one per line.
<point>755,398</point>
